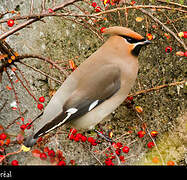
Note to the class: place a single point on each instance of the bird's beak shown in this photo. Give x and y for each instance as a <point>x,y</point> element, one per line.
<point>147,42</point>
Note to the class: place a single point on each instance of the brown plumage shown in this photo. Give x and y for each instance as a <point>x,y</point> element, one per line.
<point>97,87</point>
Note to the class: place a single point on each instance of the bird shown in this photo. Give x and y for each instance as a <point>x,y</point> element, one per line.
<point>96,87</point>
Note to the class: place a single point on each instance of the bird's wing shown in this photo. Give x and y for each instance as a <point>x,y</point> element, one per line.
<point>93,89</point>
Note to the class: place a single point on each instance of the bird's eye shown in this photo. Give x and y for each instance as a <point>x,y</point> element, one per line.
<point>130,40</point>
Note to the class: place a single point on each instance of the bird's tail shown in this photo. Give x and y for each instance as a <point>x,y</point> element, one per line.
<point>30,141</point>
<point>55,123</point>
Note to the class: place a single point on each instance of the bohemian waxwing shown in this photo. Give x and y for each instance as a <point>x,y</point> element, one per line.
<point>97,87</point>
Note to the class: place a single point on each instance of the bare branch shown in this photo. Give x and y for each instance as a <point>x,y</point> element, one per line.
<point>44,59</point>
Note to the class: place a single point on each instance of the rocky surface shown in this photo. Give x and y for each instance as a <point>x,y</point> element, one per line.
<point>63,40</point>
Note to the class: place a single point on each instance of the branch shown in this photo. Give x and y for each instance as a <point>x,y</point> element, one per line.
<point>44,59</point>
<point>2,158</point>
<point>157,88</point>
<point>151,139</point>
<point>165,27</point>
<point>46,14</point>
<point>41,72</point>
<point>24,24</point>
<point>139,7</point>
<point>172,3</point>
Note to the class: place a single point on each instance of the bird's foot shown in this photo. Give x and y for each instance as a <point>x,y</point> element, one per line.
<point>103,136</point>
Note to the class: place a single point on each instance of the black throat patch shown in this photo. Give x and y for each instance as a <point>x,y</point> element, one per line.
<point>136,50</point>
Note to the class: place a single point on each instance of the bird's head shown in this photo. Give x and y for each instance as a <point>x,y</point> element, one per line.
<point>133,40</point>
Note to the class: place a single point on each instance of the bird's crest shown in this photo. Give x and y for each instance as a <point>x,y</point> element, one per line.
<point>122,31</point>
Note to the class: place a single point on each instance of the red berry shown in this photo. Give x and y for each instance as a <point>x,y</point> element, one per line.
<point>119,145</point>
<point>14,163</point>
<point>94,143</point>
<point>83,138</point>
<point>51,153</point>
<point>185,54</point>
<point>7,142</point>
<point>40,139</point>
<point>46,149</point>
<point>10,22</point>
<point>43,156</point>
<point>79,135</point>
<point>72,162</point>
<point>122,158</point>
<point>168,49</point>
<point>50,10</point>
<point>76,138</point>
<point>23,127</point>
<point>130,98</point>
<point>71,136</point>
<point>41,99</point>
<point>40,106</point>
<point>94,4</point>
<point>141,134</point>
<point>61,163</point>
<point>1,142</point>
<point>98,9</point>
<point>102,29</point>
<point>90,139</point>
<point>154,133</point>
<point>118,151</point>
<point>125,149</point>
<point>73,131</point>
<point>185,34</point>
<point>132,3</point>
<point>28,126</point>
<point>170,163</point>
<point>3,136</point>
<point>109,162</point>
<point>150,144</point>
<point>149,36</point>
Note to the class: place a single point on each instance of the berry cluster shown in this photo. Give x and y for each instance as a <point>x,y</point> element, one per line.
<point>4,140</point>
<point>73,135</point>
<point>40,106</point>
<point>111,155</point>
<point>97,8</point>
<point>150,144</point>
<point>49,154</point>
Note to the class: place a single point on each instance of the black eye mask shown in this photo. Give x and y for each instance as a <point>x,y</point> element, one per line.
<point>132,40</point>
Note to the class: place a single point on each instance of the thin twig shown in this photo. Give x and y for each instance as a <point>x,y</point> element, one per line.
<point>44,59</point>
<point>2,158</point>
<point>157,88</point>
<point>4,104</point>
<point>25,87</point>
<point>41,72</point>
<point>30,21</point>
<point>165,27</point>
<point>91,153</point>
<point>15,93</point>
<point>151,139</point>
<point>46,14</point>
<point>172,3</point>
<point>10,124</point>
<point>110,145</point>
<point>139,7</point>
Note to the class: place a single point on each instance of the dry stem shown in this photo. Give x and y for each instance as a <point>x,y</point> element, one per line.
<point>44,59</point>
<point>157,88</point>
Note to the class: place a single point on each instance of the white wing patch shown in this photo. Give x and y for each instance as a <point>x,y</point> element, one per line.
<point>93,105</point>
<point>70,112</point>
